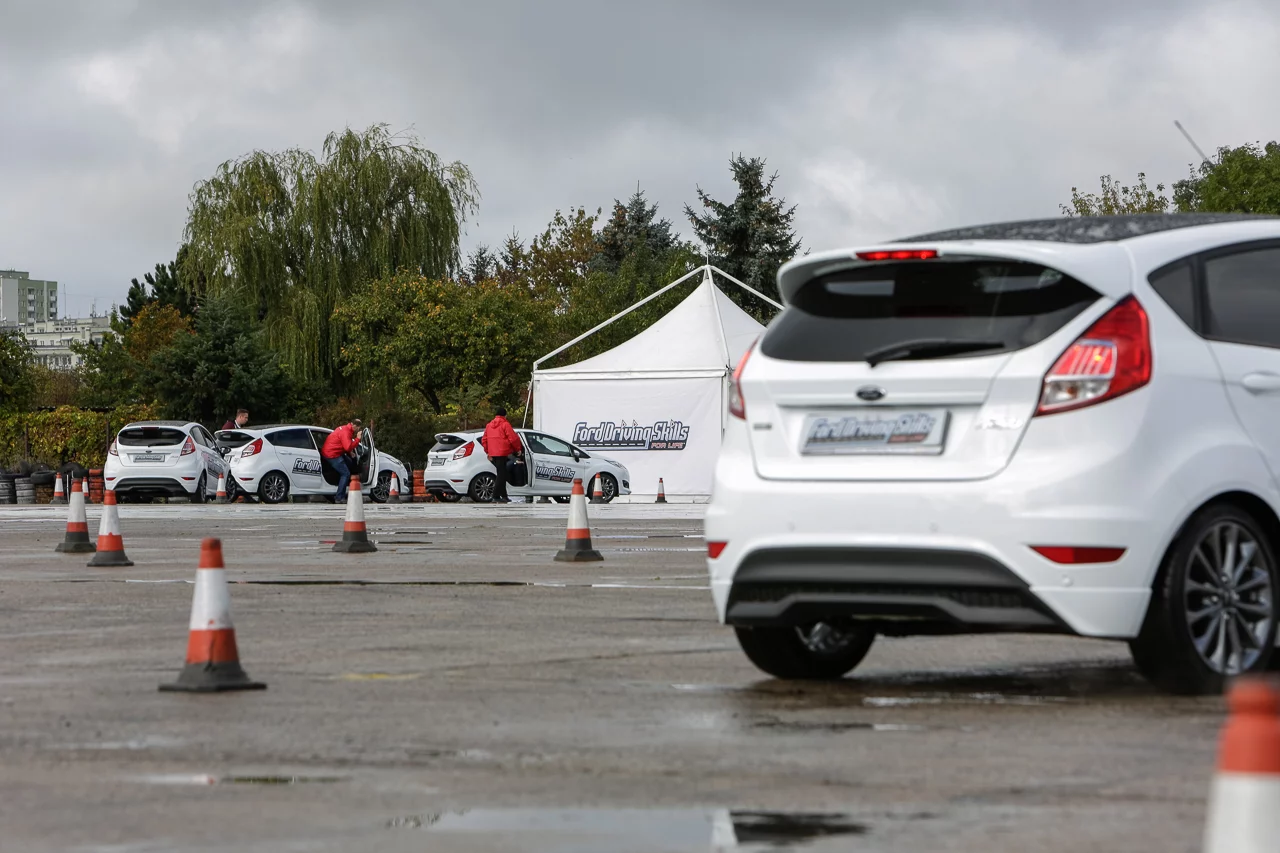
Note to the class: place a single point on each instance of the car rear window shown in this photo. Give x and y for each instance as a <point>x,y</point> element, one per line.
<point>1004,305</point>
<point>151,436</point>
<point>447,442</point>
<point>232,438</point>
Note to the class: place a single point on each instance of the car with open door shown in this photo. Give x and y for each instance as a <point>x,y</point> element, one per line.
<point>457,466</point>
<point>279,460</point>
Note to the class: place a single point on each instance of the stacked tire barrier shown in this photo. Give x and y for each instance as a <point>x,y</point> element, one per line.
<point>24,491</point>
<point>7,489</point>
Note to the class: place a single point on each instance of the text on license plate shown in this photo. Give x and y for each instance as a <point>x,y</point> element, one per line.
<point>439,460</point>
<point>875,432</point>
<point>148,457</point>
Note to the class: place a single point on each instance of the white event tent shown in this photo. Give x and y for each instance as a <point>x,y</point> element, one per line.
<point>657,402</point>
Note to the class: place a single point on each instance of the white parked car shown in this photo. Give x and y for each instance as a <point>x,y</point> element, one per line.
<point>1068,426</point>
<point>457,465</point>
<point>279,460</point>
<point>150,459</point>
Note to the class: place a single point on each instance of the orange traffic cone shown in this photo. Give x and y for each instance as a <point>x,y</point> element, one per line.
<point>76,539</point>
<point>577,541</point>
<point>221,497</point>
<point>597,494</point>
<point>1244,803</point>
<point>213,661</point>
<point>393,495</point>
<point>59,496</point>
<point>110,542</point>
<point>355,538</point>
<point>662,493</point>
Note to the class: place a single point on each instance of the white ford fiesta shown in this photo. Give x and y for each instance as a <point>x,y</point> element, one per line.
<point>276,461</point>
<point>457,466</point>
<point>151,459</point>
<point>1066,426</point>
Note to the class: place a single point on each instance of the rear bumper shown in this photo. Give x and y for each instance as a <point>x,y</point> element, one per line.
<point>445,486</point>
<point>153,487</point>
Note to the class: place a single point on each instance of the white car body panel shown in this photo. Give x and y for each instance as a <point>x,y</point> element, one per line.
<point>301,464</point>
<point>552,467</point>
<point>163,469</point>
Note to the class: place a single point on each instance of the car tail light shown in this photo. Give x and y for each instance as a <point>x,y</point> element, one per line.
<point>1070,555</point>
<point>112,448</point>
<point>188,447</point>
<point>1110,359</point>
<point>737,404</point>
<point>252,448</point>
<point>465,450</point>
<point>899,255</point>
<point>715,549</point>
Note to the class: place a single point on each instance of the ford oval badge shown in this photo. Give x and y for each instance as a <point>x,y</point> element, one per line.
<point>870,393</point>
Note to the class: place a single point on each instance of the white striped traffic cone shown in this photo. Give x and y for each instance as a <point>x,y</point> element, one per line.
<point>1244,803</point>
<point>76,539</point>
<point>110,542</point>
<point>221,497</point>
<point>393,495</point>
<point>213,661</point>
<point>597,494</point>
<point>355,538</point>
<point>662,493</point>
<point>59,496</point>
<point>577,540</point>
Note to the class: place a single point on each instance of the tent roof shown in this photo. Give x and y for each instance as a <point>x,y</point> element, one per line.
<point>705,332</point>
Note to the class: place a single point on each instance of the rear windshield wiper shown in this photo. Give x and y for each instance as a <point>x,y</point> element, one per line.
<point>926,347</point>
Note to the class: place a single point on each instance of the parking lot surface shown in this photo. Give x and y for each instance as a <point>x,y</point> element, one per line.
<point>459,690</point>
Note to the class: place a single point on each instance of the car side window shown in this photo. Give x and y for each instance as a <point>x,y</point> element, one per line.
<point>1243,295</point>
<point>319,436</point>
<point>198,434</point>
<point>297,439</point>
<point>1175,284</point>
<point>548,445</point>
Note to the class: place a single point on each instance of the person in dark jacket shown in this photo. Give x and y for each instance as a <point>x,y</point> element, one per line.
<point>339,453</point>
<point>500,442</point>
<point>242,418</point>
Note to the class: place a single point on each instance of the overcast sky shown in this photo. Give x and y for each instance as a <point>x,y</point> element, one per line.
<point>882,118</point>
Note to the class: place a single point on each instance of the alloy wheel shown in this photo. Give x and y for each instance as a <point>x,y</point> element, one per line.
<point>1228,598</point>
<point>275,488</point>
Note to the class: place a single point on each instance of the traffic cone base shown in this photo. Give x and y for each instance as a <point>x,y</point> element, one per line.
<point>662,493</point>
<point>110,550</point>
<point>76,540</point>
<point>355,537</point>
<point>577,541</point>
<point>213,661</point>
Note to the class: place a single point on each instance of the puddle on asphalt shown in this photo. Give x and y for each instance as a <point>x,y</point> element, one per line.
<point>619,830</point>
<point>205,779</point>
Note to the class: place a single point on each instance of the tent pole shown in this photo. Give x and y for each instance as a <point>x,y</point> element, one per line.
<point>622,314</point>
<point>528,396</point>
<point>747,288</point>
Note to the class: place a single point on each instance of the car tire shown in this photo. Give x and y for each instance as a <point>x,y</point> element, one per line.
<point>560,499</point>
<point>608,487</point>
<point>273,488</point>
<point>381,491</point>
<point>818,652</point>
<point>482,487</point>
<point>1184,645</point>
<point>198,496</point>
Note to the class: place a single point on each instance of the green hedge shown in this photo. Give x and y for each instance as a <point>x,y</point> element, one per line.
<point>66,434</point>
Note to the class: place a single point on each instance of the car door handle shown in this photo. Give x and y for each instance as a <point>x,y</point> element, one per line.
<point>1260,383</point>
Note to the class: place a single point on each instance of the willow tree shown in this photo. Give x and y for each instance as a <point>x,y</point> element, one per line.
<point>295,234</point>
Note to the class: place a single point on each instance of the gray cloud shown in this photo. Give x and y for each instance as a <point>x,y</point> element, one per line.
<point>882,120</point>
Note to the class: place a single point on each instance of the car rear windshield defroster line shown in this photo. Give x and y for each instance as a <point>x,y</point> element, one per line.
<point>1004,305</point>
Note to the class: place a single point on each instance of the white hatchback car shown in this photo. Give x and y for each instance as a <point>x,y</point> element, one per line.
<point>279,460</point>
<point>1066,426</point>
<point>150,459</point>
<point>457,466</point>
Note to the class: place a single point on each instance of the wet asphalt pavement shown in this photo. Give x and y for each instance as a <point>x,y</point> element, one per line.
<point>459,690</point>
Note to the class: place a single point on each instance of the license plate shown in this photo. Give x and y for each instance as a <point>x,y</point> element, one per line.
<point>148,457</point>
<point>439,460</point>
<point>920,432</point>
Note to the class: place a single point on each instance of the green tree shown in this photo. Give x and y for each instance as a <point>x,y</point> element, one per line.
<point>750,237</point>
<point>453,344</point>
<point>223,365</point>
<point>1115,200</point>
<point>297,235</point>
<point>1238,180</point>
<point>164,287</point>
<point>108,374</point>
<point>17,372</point>
<point>155,327</point>
<point>631,227</point>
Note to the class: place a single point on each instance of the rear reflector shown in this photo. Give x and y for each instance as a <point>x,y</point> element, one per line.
<point>715,549</point>
<point>899,255</point>
<point>1072,556</point>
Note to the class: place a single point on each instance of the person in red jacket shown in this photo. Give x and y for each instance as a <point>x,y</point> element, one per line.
<point>338,453</point>
<point>500,442</point>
